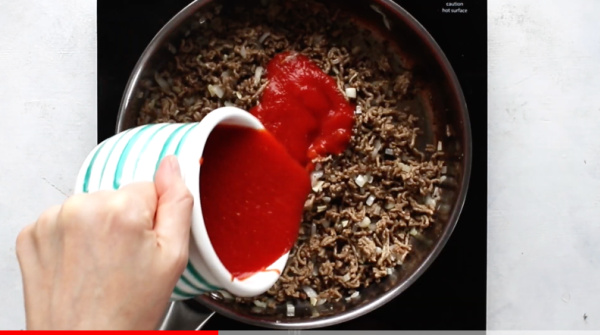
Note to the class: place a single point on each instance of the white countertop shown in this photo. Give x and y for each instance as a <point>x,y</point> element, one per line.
<point>544,148</point>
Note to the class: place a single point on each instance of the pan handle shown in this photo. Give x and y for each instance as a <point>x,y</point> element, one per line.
<point>181,316</point>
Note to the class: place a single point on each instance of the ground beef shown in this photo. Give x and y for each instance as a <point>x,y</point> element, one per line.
<point>366,202</point>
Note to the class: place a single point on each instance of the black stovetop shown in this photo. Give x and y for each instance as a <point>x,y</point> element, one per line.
<point>451,294</point>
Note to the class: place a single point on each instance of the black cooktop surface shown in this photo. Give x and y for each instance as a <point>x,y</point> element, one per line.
<point>451,294</point>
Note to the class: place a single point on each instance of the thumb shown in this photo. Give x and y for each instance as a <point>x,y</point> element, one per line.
<point>174,209</point>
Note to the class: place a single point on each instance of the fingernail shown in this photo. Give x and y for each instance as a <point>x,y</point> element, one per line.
<point>173,165</point>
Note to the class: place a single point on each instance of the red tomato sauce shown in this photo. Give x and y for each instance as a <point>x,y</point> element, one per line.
<point>252,194</point>
<point>303,108</point>
<point>253,184</point>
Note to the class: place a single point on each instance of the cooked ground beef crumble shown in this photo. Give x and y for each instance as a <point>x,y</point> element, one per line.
<point>366,202</point>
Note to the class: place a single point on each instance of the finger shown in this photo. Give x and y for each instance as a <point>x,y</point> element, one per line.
<point>31,266</point>
<point>46,222</point>
<point>25,245</point>
<point>28,257</point>
<point>44,231</point>
<point>174,212</point>
<point>135,203</point>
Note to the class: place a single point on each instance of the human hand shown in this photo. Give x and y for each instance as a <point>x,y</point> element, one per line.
<point>109,259</point>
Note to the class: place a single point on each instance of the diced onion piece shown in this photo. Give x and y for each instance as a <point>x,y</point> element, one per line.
<point>321,302</point>
<point>263,37</point>
<point>390,271</point>
<point>376,148</point>
<point>226,295</point>
<point>355,294</point>
<point>238,95</point>
<point>437,192</point>
<point>229,104</point>
<point>346,277</point>
<point>370,200</point>
<point>314,176</point>
<point>321,208</point>
<point>351,92</point>
<point>404,167</point>
<point>389,205</point>
<point>413,232</point>
<point>326,199</point>
<point>366,221</point>
<point>243,51</point>
<point>444,208</point>
<point>344,223</point>
<point>188,101</point>
<point>313,301</point>
<point>378,250</point>
<point>310,292</point>
<point>216,90</point>
<point>430,202</point>
<point>378,145</point>
<point>290,309</point>
<point>389,151</point>
<point>369,178</point>
<point>161,82</point>
<point>439,146</point>
<point>313,229</point>
<point>260,304</point>
<point>172,48</point>
<point>358,110</point>
<point>360,180</point>
<point>318,186</point>
<point>377,209</point>
<point>257,74</point>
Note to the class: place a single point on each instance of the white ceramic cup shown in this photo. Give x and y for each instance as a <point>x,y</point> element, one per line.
<point>135,154</point>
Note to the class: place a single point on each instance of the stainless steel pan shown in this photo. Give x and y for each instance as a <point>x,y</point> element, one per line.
<point>444,117</point>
